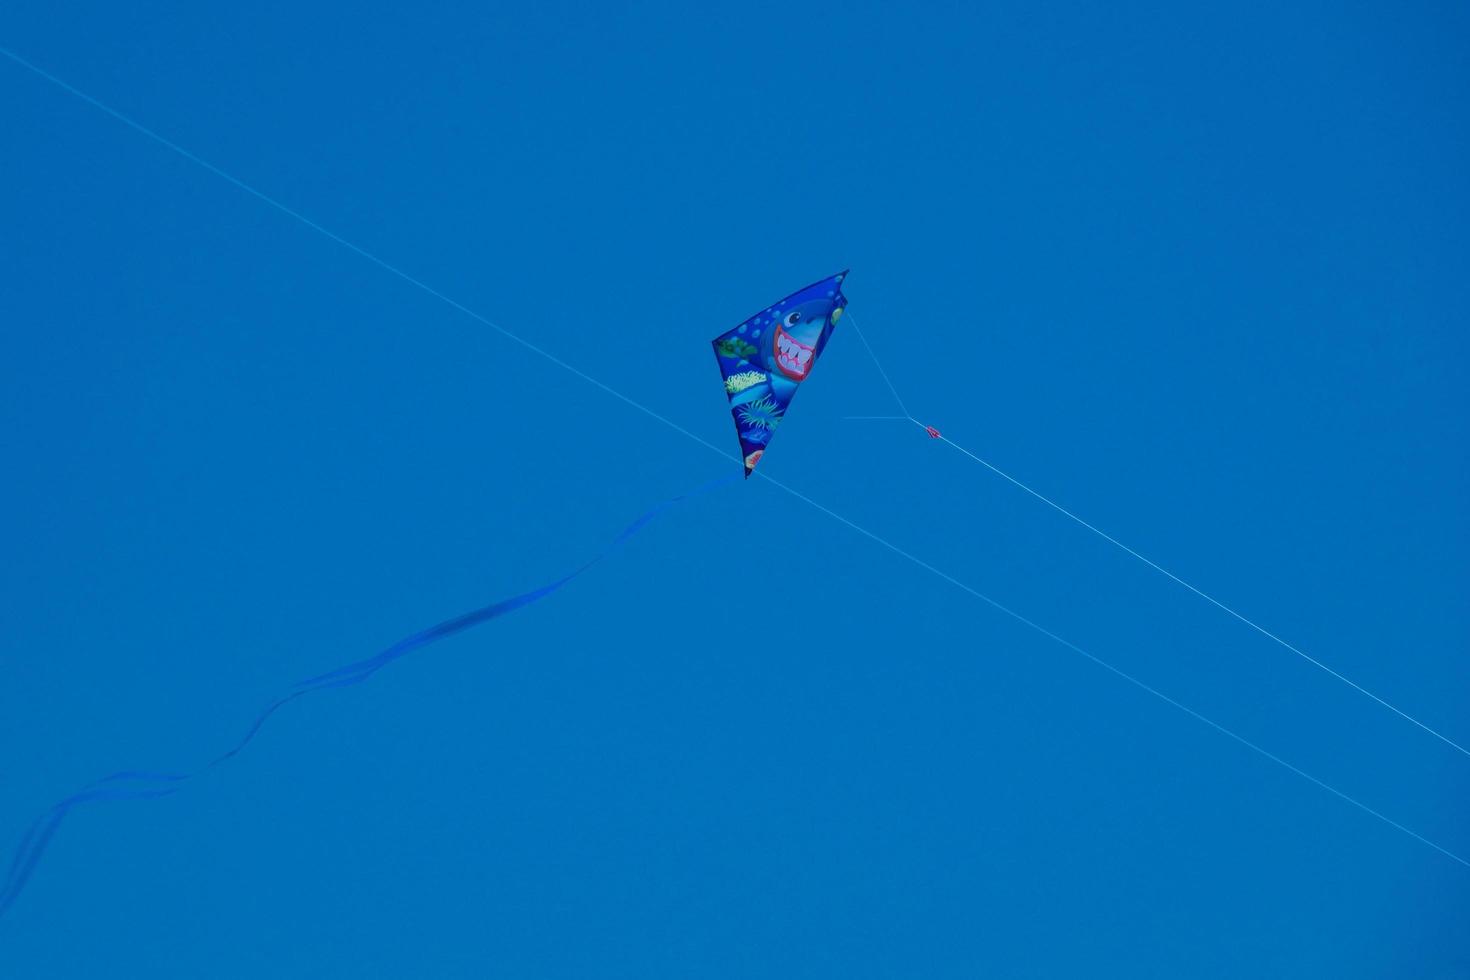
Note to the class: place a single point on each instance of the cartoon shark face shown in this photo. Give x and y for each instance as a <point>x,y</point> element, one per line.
<point>793,348</point>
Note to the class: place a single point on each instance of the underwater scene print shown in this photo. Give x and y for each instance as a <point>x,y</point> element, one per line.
<point>764,359</point>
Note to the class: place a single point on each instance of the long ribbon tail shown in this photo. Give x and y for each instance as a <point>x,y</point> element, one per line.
<point>139,784</point>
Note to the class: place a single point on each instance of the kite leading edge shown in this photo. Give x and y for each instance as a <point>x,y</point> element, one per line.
<point>764,359</point>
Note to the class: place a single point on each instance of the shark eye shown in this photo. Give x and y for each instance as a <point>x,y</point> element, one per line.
<point>792,318</point>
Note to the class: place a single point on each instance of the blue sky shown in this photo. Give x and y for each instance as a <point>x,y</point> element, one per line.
<point>1201,275</point>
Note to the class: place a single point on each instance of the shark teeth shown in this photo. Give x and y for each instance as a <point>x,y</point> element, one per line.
<point>792,356</point>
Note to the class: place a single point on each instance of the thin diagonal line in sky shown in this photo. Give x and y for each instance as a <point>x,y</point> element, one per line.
<point>708,445</point>
<point>879,365</point>
<point>1206,596</point>
<point>1152,564</point>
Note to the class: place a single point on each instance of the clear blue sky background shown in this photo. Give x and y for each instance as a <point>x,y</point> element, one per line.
<point>1202,276</point>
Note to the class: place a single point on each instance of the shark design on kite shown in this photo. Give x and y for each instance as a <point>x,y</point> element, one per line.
<point>764,359</point>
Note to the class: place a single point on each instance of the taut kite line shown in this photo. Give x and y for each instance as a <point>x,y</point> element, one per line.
<point>934,433</point>
<point>102,789</point>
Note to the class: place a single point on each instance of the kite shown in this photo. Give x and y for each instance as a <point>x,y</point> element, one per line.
<point>764,359</point>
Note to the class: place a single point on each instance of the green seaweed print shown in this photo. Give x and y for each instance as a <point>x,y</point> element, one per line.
<point>763,413</point>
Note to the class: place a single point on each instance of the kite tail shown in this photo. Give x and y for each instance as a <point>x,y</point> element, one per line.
<point>138,784</point>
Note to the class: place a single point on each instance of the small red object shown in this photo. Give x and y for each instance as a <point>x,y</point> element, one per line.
<point>933,432</point>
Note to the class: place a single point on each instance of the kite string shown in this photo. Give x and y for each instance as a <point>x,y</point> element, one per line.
<point>1124,675</point>
<point>359,250</point>
<point>151,785</point>
<point>680,429</point>
<point>1206,596</point>
<point>879,365</point>
<point>1149,562</point>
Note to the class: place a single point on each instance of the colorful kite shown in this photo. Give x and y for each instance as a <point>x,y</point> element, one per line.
<point>767,356</point>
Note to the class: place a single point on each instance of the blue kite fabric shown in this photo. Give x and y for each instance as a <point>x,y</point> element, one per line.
<point>138,784</point>
<point>764,359</point>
